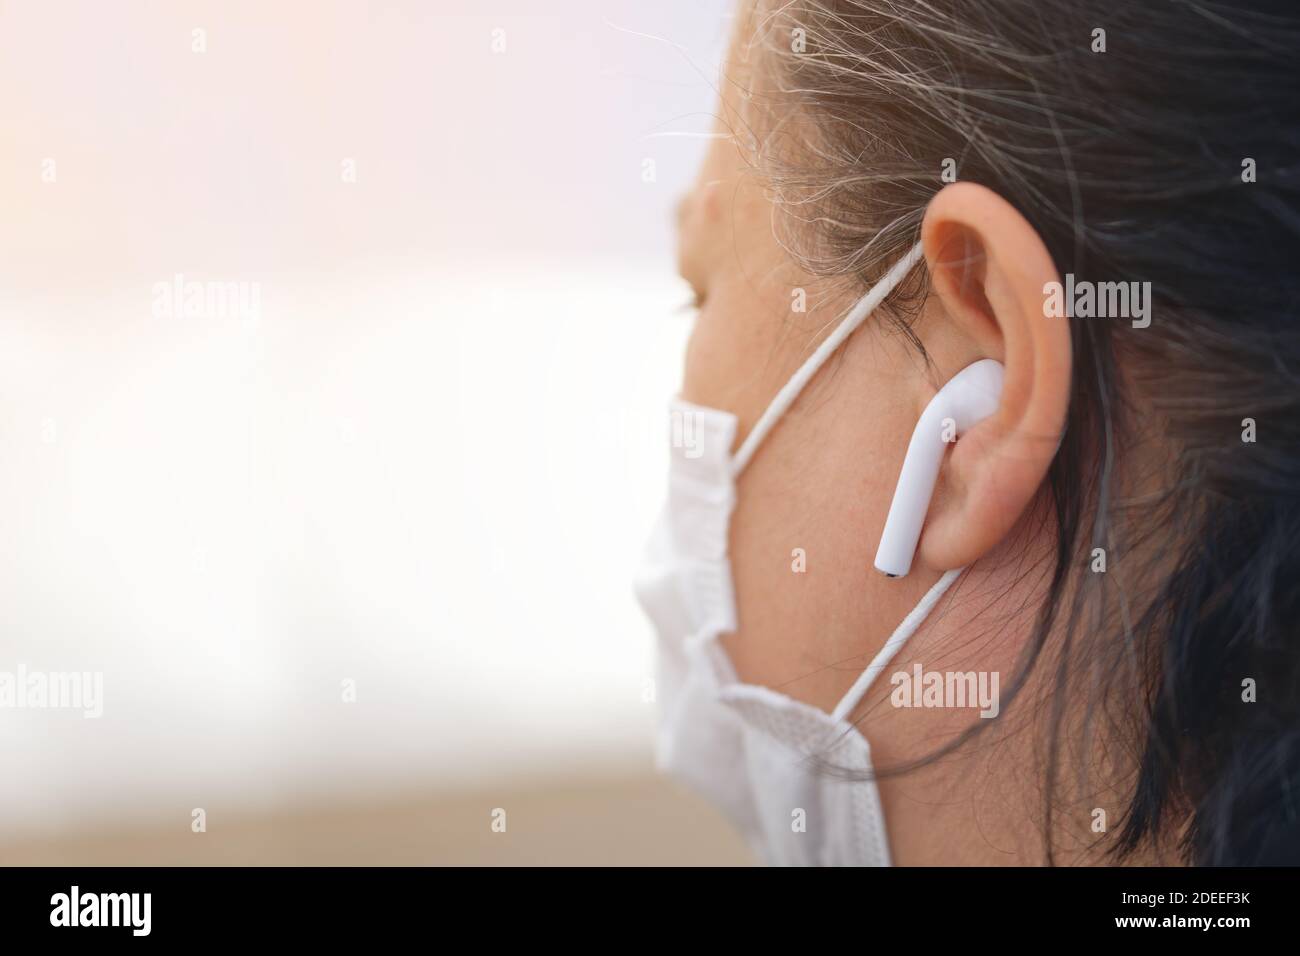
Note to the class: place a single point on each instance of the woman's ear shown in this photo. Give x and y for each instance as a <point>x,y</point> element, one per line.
<point>990,272</point>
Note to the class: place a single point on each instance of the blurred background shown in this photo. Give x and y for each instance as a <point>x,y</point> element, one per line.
<point>335,339</point>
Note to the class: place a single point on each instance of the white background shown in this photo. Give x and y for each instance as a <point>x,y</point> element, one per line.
<point>430,464</point>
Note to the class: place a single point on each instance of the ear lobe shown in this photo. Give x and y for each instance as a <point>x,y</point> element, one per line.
<point>988,268</point>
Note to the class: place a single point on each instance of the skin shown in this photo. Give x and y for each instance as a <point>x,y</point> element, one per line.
<point>824,478</point>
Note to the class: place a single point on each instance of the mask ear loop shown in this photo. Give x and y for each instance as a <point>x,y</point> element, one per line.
<point>857,315</point>
<point>892,646</point>
<point>781,404</point>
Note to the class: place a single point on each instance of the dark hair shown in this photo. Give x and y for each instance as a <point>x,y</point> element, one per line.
<point>1133,164</point>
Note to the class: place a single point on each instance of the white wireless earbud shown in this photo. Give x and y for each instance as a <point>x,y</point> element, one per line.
<point>969,397</point>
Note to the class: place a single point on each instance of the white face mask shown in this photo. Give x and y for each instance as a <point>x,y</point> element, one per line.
<point>744,747</point>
